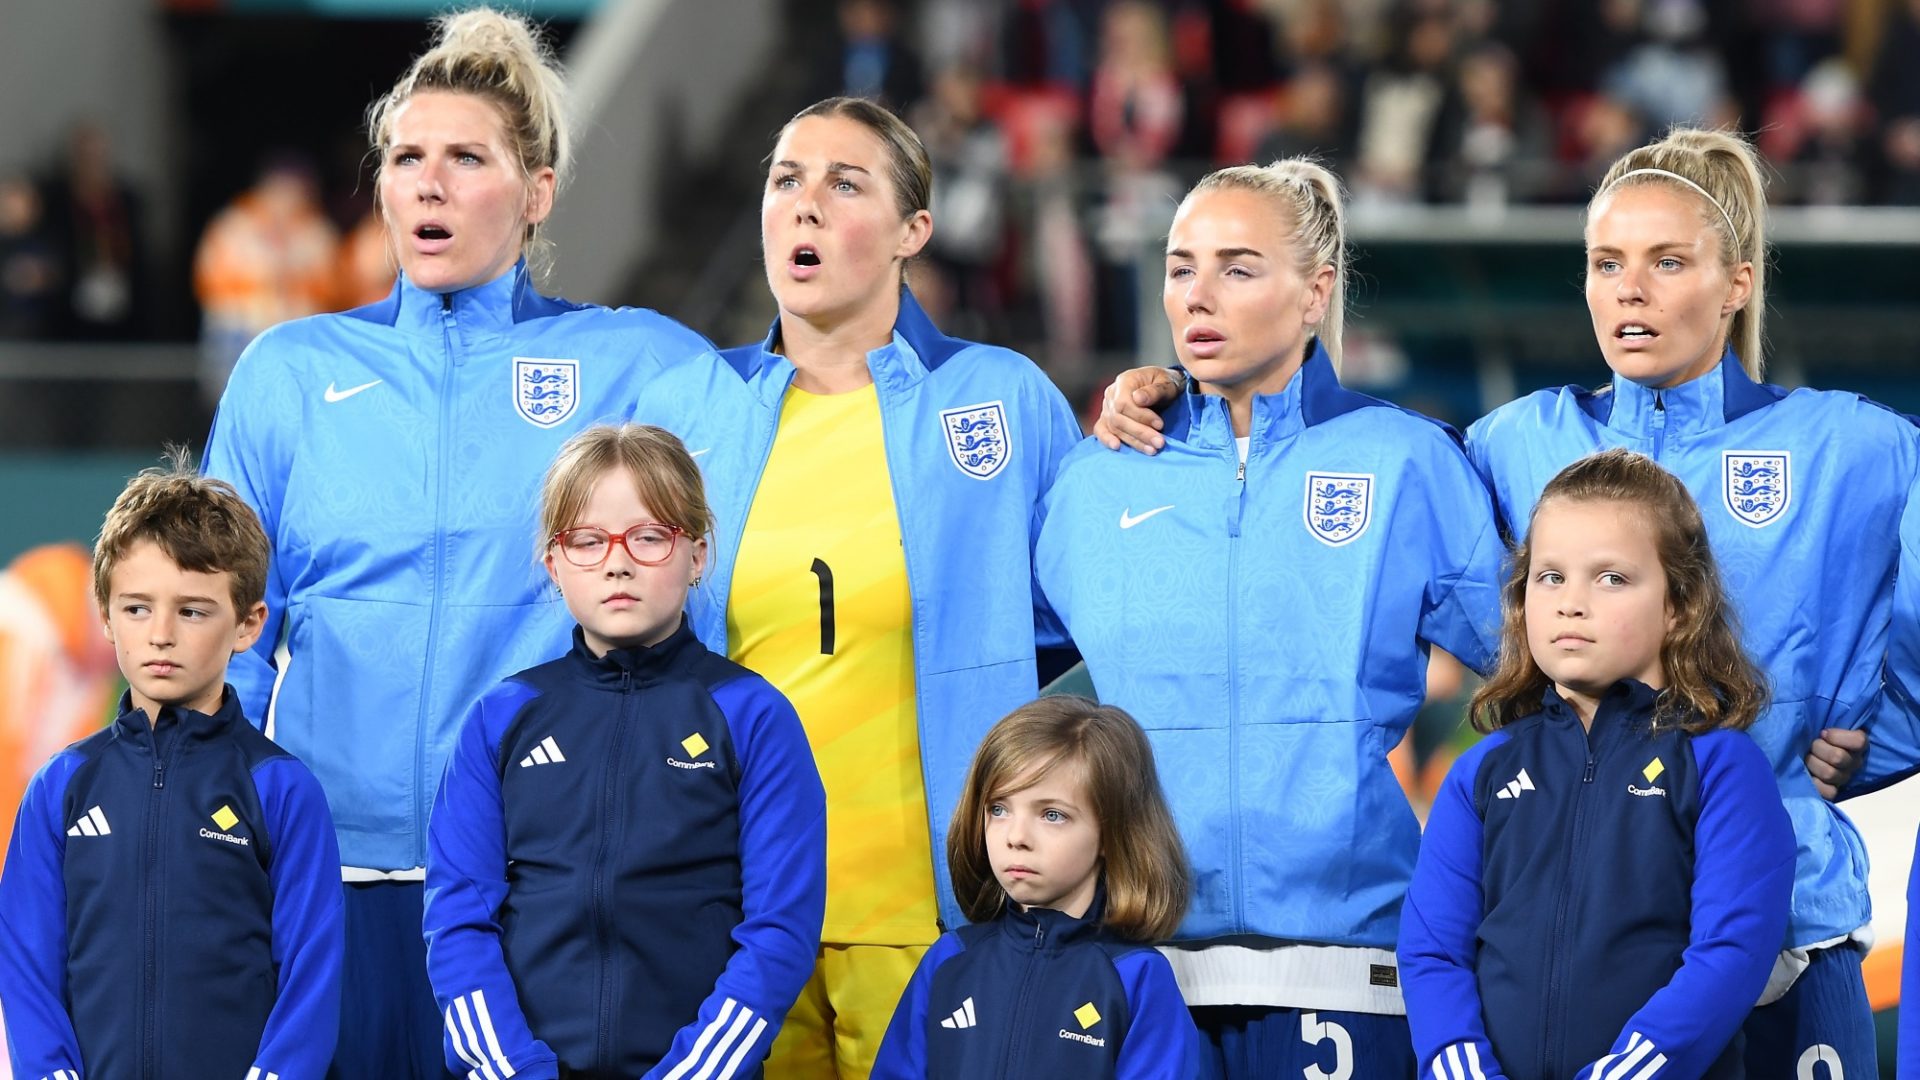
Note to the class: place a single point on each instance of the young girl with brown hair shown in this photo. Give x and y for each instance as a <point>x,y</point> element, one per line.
<point>1065,858</point>
<point>1605,878</point>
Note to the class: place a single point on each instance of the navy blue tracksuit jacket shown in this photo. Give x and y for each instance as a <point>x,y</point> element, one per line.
<point>626,869</point>
<point>171,907</point>
<point>1595,904</point>
<point>1039,993</point>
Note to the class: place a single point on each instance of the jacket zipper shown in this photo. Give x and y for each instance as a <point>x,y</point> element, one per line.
<point>1575,859</point>
<point>1018,1021</point>
<point>615,766</point>
<point>1234,888</point>
<point>436,560</point>
<point>1659,425</point>
<point>150,1061</point>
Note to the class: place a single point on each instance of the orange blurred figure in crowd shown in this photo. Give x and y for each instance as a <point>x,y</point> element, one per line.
<point>57,675</point>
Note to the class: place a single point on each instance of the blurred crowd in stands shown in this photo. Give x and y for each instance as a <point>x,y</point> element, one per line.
<point>1063,131</point>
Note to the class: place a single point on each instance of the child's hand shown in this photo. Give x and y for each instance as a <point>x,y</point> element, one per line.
<point>1128,412</point>
<point>1833,759</point>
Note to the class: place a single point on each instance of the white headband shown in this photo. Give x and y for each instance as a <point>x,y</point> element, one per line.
<point>1715,203</point>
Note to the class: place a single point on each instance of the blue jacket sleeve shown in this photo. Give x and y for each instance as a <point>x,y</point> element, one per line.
<point>1062,434</point>
<point>1742,886</point>
<point>1161,1043</point>
<point>247,449</point>
<point>1462,611</point>
<point>486,1031</point>
<point>1439,928</point>
<point>903,1051</point>
<point>1893,746</point>
<point>309,933</point>
<point>783,880</point>
<point>33,931</point>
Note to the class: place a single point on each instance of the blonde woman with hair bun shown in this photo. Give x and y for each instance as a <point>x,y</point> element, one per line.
<point>1261,596</point>
<point>393,452</point>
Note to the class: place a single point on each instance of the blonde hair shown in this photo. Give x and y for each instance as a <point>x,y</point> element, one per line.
<point>1710,681</point>
<point>1309,193</point>
<point>1145,866</point>
<point>664,476</point>
<point>201,523</point>
<point>499,58</point>
<point>1726,168</point>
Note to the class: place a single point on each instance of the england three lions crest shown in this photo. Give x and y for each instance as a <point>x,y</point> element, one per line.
<point>977,438</point>
<point>1757,486</point>
<point>545,392</point>
<point>1339,506</point>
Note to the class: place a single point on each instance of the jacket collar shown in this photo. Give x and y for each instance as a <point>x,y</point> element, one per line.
<point>1313,396</point>
<point>490,308</point>
<point>916,350</point>
<point>1046,929</point>
<point>640,663</point>
<point>194,725</point>
<point>1628,705</point>
<point>1713,400</point>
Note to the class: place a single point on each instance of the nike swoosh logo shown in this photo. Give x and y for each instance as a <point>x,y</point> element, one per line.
<point>1128,521</point>
<point>342,395</point>
<point>697,453</point>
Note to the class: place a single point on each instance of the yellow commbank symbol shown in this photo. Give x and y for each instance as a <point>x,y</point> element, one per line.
<point>1653,770</point>
<point>225,817</point>
<point>1087,1015</point>
<point>694,745</point>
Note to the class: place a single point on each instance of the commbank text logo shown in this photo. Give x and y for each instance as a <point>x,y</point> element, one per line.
<point>92,823</point>
<point>962,1017</point>
<point>1515,786</point>
<point>695,745</point>
<point>1088,1016</point>
<point>1654,770</point>
<point>547,753</point>
<point>226,819</point>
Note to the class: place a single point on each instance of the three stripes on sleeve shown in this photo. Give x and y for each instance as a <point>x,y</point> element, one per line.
<point>717,1054</point>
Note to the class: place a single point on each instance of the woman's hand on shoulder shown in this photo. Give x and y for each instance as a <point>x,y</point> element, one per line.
<point>1129,414</point>
<point>1833,759</point>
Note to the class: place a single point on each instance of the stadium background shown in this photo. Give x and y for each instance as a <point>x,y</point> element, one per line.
<point>1469,132</point>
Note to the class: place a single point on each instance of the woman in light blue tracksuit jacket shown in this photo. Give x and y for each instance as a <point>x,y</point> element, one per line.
<point>394,454</point>
<point>1262,596</point>
<point>1805,497</point>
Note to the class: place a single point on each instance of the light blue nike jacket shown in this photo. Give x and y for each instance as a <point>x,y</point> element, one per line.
<point>395,454</point>
<point>973,436</point>
<point>1269,628</point>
